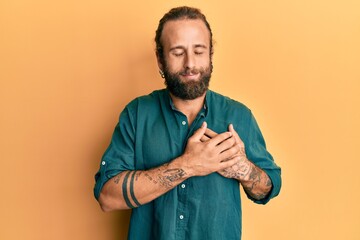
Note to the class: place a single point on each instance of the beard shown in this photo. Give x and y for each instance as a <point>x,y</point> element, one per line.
<point>191,89</point>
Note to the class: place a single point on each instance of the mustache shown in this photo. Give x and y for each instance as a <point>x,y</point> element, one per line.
<point>192,71</point>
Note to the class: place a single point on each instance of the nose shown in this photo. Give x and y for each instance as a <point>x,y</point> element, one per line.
<point>189,61</point>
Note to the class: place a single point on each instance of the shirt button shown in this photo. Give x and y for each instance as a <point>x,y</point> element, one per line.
<point>181,216</point>
<point>183,123</point>
<point>103,163</point>
<point>182,185</point>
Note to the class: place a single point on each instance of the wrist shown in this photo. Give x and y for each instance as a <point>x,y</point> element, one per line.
<point>182,162</point>
<point>247,167</point>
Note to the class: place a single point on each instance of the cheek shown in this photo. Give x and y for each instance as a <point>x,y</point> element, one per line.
<point>204,62</point>
<point>174,64</point>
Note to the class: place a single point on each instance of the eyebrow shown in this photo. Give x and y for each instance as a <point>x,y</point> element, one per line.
<point>195,46</point>
<point>200,46</point>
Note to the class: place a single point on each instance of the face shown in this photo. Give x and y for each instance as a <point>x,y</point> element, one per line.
<point>187,62</point>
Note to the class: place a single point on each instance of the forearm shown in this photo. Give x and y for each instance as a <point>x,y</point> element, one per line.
<point>254,180</point>
<point>130,189</point>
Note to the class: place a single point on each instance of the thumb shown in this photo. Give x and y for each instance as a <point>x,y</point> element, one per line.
<point>200,132</point>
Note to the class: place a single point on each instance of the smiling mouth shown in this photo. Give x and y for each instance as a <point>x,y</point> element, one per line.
<point>190,76</point>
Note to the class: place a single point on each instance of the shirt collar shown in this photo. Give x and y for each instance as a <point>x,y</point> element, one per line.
<point>204,111</point>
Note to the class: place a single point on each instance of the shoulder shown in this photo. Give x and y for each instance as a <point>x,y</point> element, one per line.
<point>226,103</point>
<point>149,101</point>
<point>143,106</point>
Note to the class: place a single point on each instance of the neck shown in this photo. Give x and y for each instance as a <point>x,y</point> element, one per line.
<point>190,108</point>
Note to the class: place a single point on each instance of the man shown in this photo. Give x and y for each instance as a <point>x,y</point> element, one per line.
<point>178,155</point>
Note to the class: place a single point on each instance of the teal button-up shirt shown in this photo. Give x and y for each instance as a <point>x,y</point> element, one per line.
<point>150,133</point>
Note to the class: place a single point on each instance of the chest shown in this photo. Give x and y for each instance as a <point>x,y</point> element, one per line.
<point>161,139</point>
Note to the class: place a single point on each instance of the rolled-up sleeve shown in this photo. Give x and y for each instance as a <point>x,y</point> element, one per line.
<point>257,153</point>
<point>119,156</point>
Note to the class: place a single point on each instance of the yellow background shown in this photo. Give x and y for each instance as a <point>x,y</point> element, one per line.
<point>67,68</point>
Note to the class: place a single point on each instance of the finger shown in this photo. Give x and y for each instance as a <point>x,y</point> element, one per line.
<point>229,163</point>
<point>204,138</point>
<point>231,152</point>
<point>238,154</point>
<point>210,133</point>
<point>226,144</point>
<point>200,132</point>
<point>220,138</point>
<point>235,134</point>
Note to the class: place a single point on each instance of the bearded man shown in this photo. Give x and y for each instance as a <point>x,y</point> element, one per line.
<point>178,156</point>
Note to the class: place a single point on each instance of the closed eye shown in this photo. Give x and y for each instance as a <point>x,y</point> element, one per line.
<point>177,54</point>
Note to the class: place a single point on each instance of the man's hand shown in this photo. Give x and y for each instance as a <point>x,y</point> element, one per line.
<point>241,167</point>
<point>217,153</point>
<point>254,180</point>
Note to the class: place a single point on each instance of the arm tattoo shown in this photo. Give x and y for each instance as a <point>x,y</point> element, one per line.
<point>255,179</point>
<point>240,169</point>
<point>125,190</point>
<point>132,190</point>
<point>255,182</point>
<point>138,175</point>
<point>167,177</point>
<point>150,178</point>
<point>237,171</point>
<point>117,179</point>
<point>268,182</point>
<point>164,177</point>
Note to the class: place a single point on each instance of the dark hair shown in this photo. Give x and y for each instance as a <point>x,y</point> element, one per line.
<point>177,14</point>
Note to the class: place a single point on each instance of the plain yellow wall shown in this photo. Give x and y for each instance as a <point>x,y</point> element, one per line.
<point>67,68</point>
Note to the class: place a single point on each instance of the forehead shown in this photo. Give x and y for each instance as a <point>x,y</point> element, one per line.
<point>185,32</point>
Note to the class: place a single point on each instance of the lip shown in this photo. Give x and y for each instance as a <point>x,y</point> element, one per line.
<point>191,76</point>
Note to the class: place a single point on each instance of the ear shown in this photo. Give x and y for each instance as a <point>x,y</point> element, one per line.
<point>160,65</point>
